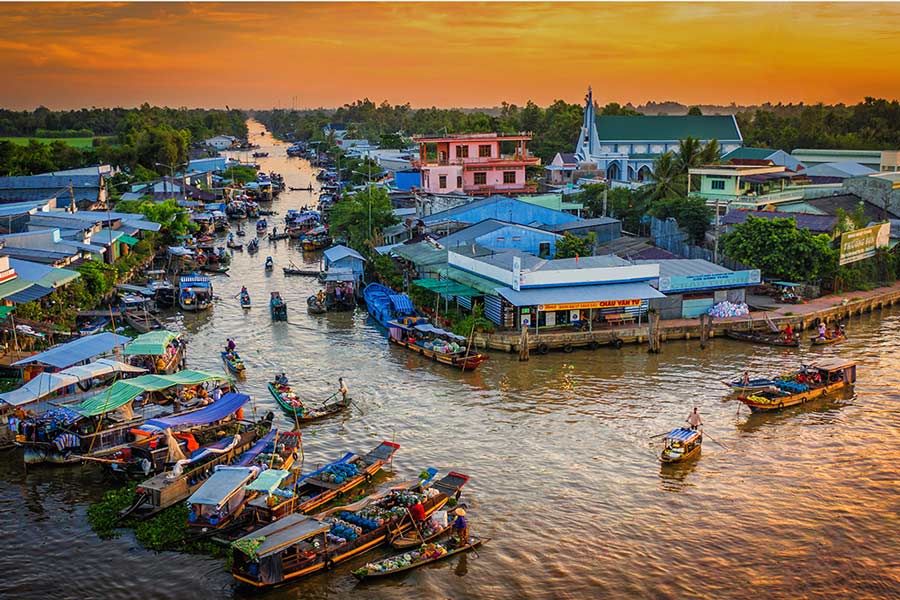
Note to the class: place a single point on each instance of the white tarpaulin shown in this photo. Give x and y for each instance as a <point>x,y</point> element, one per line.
<point>48,383</point>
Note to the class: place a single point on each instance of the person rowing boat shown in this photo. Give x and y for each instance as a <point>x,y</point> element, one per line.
<point>694,419</point>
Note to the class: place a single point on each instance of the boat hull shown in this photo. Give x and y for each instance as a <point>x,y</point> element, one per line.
<point>790,400</point>
<point>469,363</point>
<point>759,338</point>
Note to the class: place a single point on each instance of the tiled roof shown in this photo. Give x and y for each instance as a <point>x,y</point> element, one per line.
<point>666,128</point>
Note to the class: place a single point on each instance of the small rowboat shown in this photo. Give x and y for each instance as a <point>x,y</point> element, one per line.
<point>824,341</point>
<point>763,338</point>
<point>291,404</point>
<point>235,245</point>
<point>235,364</point>
<point>680,445</point>
<point>442,551</point>
<point>279,236</point>
<point>297,271</point>
<point>411,538</point>
<point>245,301</point>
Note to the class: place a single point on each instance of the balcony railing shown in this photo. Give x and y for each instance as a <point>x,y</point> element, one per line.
<point>477,160</point>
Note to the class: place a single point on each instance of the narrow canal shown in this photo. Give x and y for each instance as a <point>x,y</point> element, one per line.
<point>565,478</point>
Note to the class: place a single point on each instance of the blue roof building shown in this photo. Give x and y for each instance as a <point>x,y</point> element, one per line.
<point>408,179</point>
<point>501,208</point>
<point>498,235</point>
<point>342,257</point>
<point>87,190</point>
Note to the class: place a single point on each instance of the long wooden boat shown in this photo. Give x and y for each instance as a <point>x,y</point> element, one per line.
<point>246,303</point>
<point>274,237</point>
<point>296,271</point>
<point>297,546</point>
<point>291,404</point>
<point>277,307</point>
<point>812,381</point>
<point>756,337</point>
<point>167,489</point>
<point>824,341</point>
<point>753,385</point>
<point>680,445</point>
<point>415,559</point>
<point>142,321</point>
<point>412,539</point>
<point>234,363</point>
<point>326,483</point>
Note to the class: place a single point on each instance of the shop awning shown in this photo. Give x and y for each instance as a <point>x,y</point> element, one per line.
<point>268,481</point>
<point>66,355</point>
<point>34,292</point>
<point>127,239</point>
<point>448,287</point>
<point>152,343</point>
<point>564,298</point>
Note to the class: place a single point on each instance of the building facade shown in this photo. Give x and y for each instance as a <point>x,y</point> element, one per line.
<point>624,147</point>
<point>473,164</point>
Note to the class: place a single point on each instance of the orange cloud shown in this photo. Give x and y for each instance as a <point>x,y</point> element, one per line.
<point>474,54</point>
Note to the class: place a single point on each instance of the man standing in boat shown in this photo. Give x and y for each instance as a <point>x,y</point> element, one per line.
<point>343,388</point>
<point>461,526</point>
<point>694,419</point>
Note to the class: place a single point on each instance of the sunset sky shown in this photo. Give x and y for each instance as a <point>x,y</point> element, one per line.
<point>327,54</point>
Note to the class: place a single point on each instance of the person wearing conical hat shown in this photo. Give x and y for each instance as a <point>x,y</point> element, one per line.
<point>461,526</point>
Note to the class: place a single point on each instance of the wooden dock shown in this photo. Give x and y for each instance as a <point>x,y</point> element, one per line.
<point>830,309</point>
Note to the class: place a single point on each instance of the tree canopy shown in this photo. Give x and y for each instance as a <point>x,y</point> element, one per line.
<point>354,217</point>
<point>570,246</point>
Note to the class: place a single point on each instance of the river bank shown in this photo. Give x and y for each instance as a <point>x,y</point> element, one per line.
<point>836,307</point>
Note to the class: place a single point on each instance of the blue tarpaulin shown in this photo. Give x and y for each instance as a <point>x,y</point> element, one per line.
<point>216,411</point>
<point>681,434</point>
<point>72,353</point>
<point>250,455</point>
<point>402,304</point>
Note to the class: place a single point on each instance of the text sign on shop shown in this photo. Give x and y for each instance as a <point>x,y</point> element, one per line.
<point>861,243</point>
<point>599,304</point>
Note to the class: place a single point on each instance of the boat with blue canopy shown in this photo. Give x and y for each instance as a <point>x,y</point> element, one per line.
<point>396,313</point>
<point>815,380</point>
<point>680,445</point>
<point>195,292</point>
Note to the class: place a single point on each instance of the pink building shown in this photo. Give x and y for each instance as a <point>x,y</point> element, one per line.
<point>472,164</point>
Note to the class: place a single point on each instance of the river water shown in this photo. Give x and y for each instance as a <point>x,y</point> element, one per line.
<point>565,478</point>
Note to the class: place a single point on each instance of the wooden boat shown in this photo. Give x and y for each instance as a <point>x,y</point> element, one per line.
<point>321,486</point>
<point>261,226</point>
<point>396,313</point>
<point>836,338</point>
<point>812,381</point>
<point>235,245</point>
<point>308,188</point>
<point>160,351</point>
<point>314,244</point>
<point>240,232</point>
<point>234,363</point>
<point>142,321</point>
<point>220,502</point>
<point>171,487</point>
<point>296,546</point>
<point>253,246</point>
<point>105,422</point>
<point>680,445</point>
<point>94,325</point>
<point>291,404</point>
<point>279,236</point>
<point>260,154</point>
<point>245,300</point>
<point>314,306</point>
<point>157,449</point>
<point>756,337</point>
<point>270,264</point>
<point>400,564</point>
<point>412,539</point>
<point>752,385</point>
<point>195,292</point>
<point>296,271</point>
<point>214,269</point>
<point>277,307</point>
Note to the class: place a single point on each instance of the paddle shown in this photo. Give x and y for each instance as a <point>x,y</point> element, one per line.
<point>716,441</point>
<point>660,435</point>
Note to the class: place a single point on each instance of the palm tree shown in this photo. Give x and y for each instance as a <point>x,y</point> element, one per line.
<point>668,178</point>
<point>711,153</point>
<point>689,152</point>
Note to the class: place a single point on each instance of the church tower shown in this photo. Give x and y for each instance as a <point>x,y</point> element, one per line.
<point>588,140</point>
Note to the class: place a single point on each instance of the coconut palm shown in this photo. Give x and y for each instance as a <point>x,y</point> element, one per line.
<point>711,153</point>
<point>689,153</point>
<point>669,181</point>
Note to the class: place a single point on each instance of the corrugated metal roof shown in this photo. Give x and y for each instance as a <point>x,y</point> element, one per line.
<point>66,355</point>
<point>49,182</point>
<point>746,153</point>
<point>582,224</point>
<point>336,253</point>
<point>583,262</point>
<point>8,288</point>
<point>815,223</point>
<point>32,292</point>
<point>647,128</point>
<point>838,169</point>
<point>421,254</point>
<point>684,267</point>
<point>40,274</point>
<point>579,294</point>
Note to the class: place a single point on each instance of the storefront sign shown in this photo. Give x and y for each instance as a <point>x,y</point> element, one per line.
<point>517,273</point>
<point>687,283</point>
<point>582,305</point>
<point>862,243</point>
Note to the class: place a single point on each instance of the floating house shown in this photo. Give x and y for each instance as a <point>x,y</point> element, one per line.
<point>344,258</point>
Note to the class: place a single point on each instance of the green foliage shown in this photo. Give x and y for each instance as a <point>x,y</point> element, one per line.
<point>387,271</point>
<point>63,133</point>
<point>98,277</point>
<point>570,246</point>
<point>621,203</point>
<point>476,320</point>
<point>104,515</point>
<point>361,217</point>
<point>240,174</point>
<point>173,219</point>
<point>781,250</point>
<point>695,111</point>
<point>692,214</point>
<point>392,141</point>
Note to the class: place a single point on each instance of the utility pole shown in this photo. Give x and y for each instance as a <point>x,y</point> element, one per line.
<point>604,202</point>
<point>716,246</point>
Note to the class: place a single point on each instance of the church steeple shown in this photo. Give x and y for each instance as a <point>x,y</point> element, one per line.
<point>588,141</point>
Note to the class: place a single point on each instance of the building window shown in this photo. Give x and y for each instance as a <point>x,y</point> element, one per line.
<point>442,181</point>
<point>462,152</point>
<point>717,184</point>
<point>481,178</point>
<point>484,150</point>
<point>459,181</point>
<point>544,249</point>
<point>509,176</point>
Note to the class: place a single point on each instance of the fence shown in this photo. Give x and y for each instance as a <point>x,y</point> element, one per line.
<point>667,235</point>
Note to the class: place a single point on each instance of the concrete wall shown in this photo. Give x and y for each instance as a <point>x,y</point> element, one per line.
<point>877,190</point>
<point>520,238</point>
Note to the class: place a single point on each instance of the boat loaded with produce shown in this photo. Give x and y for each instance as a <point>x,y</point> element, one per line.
<point>396,313</point>
<point>300,411</point>
<point>297,546</point>
<point>413,559</point>
<point>812,381</point>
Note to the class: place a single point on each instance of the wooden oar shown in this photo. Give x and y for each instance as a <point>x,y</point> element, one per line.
<point>716,441</point>
<point>660,435</point>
